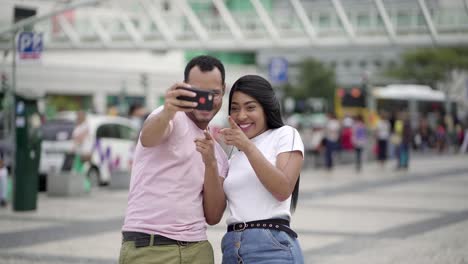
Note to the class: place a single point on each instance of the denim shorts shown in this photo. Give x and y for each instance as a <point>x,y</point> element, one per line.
<point>260,246</point>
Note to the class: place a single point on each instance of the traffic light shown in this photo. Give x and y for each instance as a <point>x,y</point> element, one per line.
<point>353,97</point>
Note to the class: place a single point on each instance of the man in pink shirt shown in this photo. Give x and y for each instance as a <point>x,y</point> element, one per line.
<point>176,186</point>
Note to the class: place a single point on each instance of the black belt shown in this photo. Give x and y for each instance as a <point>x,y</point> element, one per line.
<point>144,240</point>
<point>274,224</point>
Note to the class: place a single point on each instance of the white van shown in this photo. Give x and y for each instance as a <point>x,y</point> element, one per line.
<point>113,138</point>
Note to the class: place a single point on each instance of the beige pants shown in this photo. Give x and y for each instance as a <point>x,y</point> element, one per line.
<point>196,253</point>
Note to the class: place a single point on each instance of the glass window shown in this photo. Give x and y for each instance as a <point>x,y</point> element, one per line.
<point>108,131</point>
<point>421,20</point>
<point>363,64</point>
<point>380,22</point>
<point>126,132</point>
<point>57,130</point>
<point>135,22</point>
<point>324,20</point>
<point>347,63</point>
<point>363,20</point>
<point>403,19</point>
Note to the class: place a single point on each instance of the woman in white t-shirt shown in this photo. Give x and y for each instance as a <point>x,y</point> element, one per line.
<point>263,179</point>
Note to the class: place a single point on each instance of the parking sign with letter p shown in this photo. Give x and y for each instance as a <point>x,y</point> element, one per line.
<point>29,46</point>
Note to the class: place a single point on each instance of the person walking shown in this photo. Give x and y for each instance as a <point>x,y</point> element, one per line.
<point>263,180</point>
<point>3,184</point>
<point>82,141</point>
<point>174,190</point>
<point>332,137</point>
<point>83,145</point>
<point>403,129</point>
<point>359,139</point>
<point>383,129</point>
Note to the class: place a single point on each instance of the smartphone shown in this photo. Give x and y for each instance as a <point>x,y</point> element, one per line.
<point>203,98</point>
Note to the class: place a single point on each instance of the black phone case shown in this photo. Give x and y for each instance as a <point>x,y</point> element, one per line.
<point>203,98</point>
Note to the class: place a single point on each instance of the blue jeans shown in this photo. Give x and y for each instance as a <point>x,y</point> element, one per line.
<point>330,148</point>
<point>403,155</point>
<point>260,246</point>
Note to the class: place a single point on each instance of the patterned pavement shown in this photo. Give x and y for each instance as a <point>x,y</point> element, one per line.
<point>379,215</point>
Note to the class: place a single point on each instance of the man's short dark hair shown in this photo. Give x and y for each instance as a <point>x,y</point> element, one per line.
<point>206,63</point>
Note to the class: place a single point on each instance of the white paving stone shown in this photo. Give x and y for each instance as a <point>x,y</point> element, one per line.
<point>104,245</point>
<point>10,226</point>
<point>357,221</point>
<point>386,200</point>
<point>346,219</point>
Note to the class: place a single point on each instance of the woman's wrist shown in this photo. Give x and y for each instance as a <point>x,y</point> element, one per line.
<point>249,147</point>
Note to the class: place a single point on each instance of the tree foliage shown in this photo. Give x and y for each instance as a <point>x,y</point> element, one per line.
<point>314,80</point>
<point>430,66</point>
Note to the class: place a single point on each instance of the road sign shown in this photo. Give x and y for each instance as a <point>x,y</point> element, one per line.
<point>278,70</point>
<point>29,46</point>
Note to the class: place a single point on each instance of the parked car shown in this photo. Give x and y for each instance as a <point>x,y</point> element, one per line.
<point>113,138</point>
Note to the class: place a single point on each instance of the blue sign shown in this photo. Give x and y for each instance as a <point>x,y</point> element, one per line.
<point>29,45</point>
<point>278,70</point>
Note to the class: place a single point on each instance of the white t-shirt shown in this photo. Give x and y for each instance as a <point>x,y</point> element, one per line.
<point>332,130</point>
<point>248,199</point>
<point>383,129</point>
<point>84,147</point>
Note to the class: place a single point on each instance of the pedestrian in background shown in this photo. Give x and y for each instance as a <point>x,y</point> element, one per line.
<point>441,137</point>
<point>382,131</point>
<point>175,191</point>
<point>359,137</point>
<point>3,184</point>
<point>136,113</point>
<point>332,137</point>
<point>263,180</point>
<point>403,129</point>
<point>82,141</point>
<point>346,139</point>
<point>464,144</point>
<point>79,159</point>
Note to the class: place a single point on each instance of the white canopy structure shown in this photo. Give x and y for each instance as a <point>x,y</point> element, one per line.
<point>408,92</point>
<point>239,25</point>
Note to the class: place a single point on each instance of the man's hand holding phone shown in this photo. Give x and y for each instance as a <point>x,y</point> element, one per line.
<point>203,98</point>
<point>173,104</point>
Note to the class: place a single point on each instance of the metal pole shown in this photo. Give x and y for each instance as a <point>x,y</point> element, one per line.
<point>12,99</point>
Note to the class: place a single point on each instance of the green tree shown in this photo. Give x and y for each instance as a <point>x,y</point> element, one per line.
<point>430,66</point>
<point>314,80</point>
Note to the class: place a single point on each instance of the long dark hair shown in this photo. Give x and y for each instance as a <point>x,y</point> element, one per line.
<point>260,89</point>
